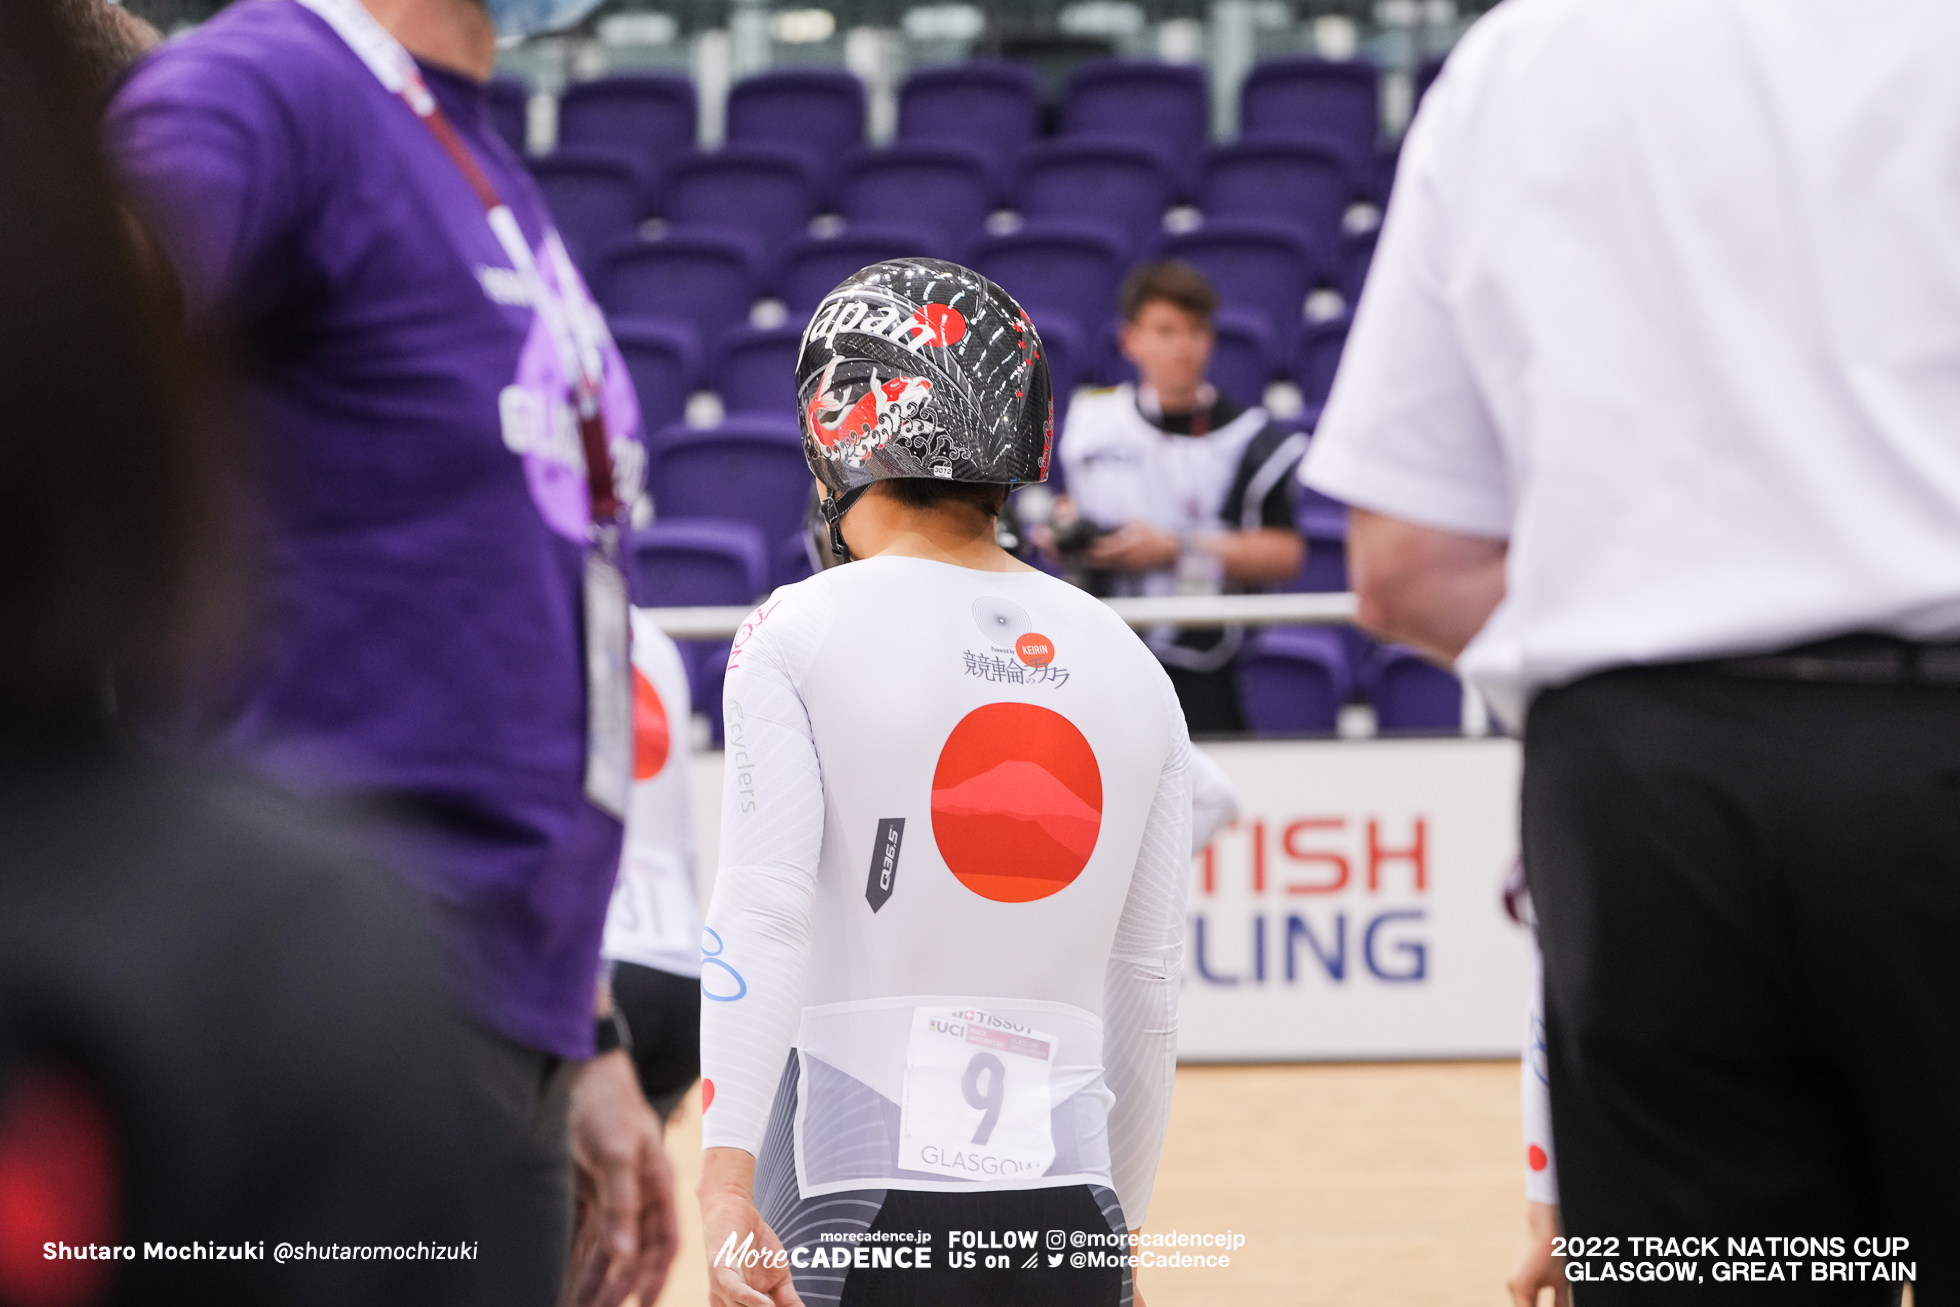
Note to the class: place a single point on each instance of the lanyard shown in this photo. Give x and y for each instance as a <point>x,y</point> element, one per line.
<point>578,346</point>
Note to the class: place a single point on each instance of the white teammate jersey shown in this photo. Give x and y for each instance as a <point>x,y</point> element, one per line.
<point>654,919</point>
<point>954,859</point>
<point>1535,1092</point>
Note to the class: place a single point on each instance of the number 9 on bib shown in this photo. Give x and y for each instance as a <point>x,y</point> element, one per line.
<point>977,1101</point>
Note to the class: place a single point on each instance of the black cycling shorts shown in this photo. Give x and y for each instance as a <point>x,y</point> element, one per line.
<point>1059,1247</point>
<point>663,1012</point>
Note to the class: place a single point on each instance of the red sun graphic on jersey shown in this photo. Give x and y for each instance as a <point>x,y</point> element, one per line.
<point>1016,802</point>
<point>652,736</point>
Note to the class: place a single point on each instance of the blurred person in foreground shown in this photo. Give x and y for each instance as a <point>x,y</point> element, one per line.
<point>1648,416</point>
<point>449,444</point>
<point>107,40</point>
<point>218,1031</point>
<point>1175,488</point>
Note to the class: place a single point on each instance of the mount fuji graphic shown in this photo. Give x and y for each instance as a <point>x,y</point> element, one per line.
<point>1017,821</point>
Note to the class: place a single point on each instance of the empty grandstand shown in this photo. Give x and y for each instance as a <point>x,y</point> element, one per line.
<point>717,166</point>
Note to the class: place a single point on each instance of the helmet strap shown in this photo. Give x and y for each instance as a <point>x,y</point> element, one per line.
<point>833,509</point>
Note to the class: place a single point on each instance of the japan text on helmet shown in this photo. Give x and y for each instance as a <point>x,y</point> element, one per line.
<point>922,368</point>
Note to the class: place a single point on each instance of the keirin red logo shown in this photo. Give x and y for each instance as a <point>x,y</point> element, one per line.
<point>1035,650</point>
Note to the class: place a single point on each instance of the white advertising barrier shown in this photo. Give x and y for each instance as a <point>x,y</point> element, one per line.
<point>1353,911</point>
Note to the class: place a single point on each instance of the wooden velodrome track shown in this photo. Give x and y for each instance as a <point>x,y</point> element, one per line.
<point>1354,1184</point>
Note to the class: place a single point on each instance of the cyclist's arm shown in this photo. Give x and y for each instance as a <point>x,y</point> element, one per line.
<point>1140,988</point>
<point>757,944</point>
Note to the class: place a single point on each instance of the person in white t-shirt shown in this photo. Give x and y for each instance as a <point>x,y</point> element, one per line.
<point>941,962</point>
<point>653,925</point>
<point>1175,488</point>
<point>1648,418</point>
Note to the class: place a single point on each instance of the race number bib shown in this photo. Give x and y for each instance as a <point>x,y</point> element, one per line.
<point>976,1100</point>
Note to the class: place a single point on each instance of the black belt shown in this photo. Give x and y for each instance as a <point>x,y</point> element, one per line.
<point>1859,659</point>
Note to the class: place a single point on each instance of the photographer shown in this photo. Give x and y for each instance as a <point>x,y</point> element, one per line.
<point>1176,488</point>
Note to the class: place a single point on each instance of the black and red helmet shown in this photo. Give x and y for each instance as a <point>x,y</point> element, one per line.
<point>922,368</point>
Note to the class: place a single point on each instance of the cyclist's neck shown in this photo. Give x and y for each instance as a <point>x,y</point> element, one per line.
<point>880,526</point>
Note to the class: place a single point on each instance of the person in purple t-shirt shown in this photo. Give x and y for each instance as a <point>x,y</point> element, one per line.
<point>428,516</point>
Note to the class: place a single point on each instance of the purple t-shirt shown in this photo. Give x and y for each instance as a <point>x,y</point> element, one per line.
<point>426,501</point>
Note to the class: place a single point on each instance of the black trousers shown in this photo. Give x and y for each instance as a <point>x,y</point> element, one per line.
<point>664,1013</point>
<point>529,1094</point>
<point>1748,895</point>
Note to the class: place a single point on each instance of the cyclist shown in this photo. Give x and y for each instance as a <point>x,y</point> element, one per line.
<point>942,957</point>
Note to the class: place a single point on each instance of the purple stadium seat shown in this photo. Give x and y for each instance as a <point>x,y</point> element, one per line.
<point>649,117</point>
<point>1068,357</point>
<point>945,189</point>
<point>749,468</point>
<point>1426,74</point>
<point>1066,268</point>
<point>510,109</point>
<point>682,562</point>
<point>987,105</point>
<point>1320,517</point>
<point>1305,183</point>
<point>1110,180</point>
<point>818,111</point>
<point>708,671</point>
<point>766,193</point>
<point>755,369</point>
<point>1357,253</point>
<point>1293,680</point>
<point>1411,694</point>
<point>1243,359</point>
<point>1323,524</point>
<point>1259,267</point>
<point>688,562</point>
<point>1165,106</point>
<point>1316,357</point>
<point>1386,160</point>
<point>1061,338</point>
<point>812,266</point>
<point>1302,95</point>
<point>664,358</point>
<point>698,278</point>
<point>793,560</point>
<point>595,197</point>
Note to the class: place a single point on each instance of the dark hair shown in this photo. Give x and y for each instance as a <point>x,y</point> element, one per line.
<point>1171,281</point>
<point>112,514</point>
<point>925,492</point>
<point>107,39</point>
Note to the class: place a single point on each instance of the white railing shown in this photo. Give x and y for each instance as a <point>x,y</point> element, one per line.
<point>1171,610</point>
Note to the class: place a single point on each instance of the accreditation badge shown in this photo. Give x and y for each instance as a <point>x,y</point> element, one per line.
<point>976,1103</point>
<point>608,685</point>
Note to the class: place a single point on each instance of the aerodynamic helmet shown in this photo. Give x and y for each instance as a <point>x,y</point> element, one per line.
<point>921,368</point>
